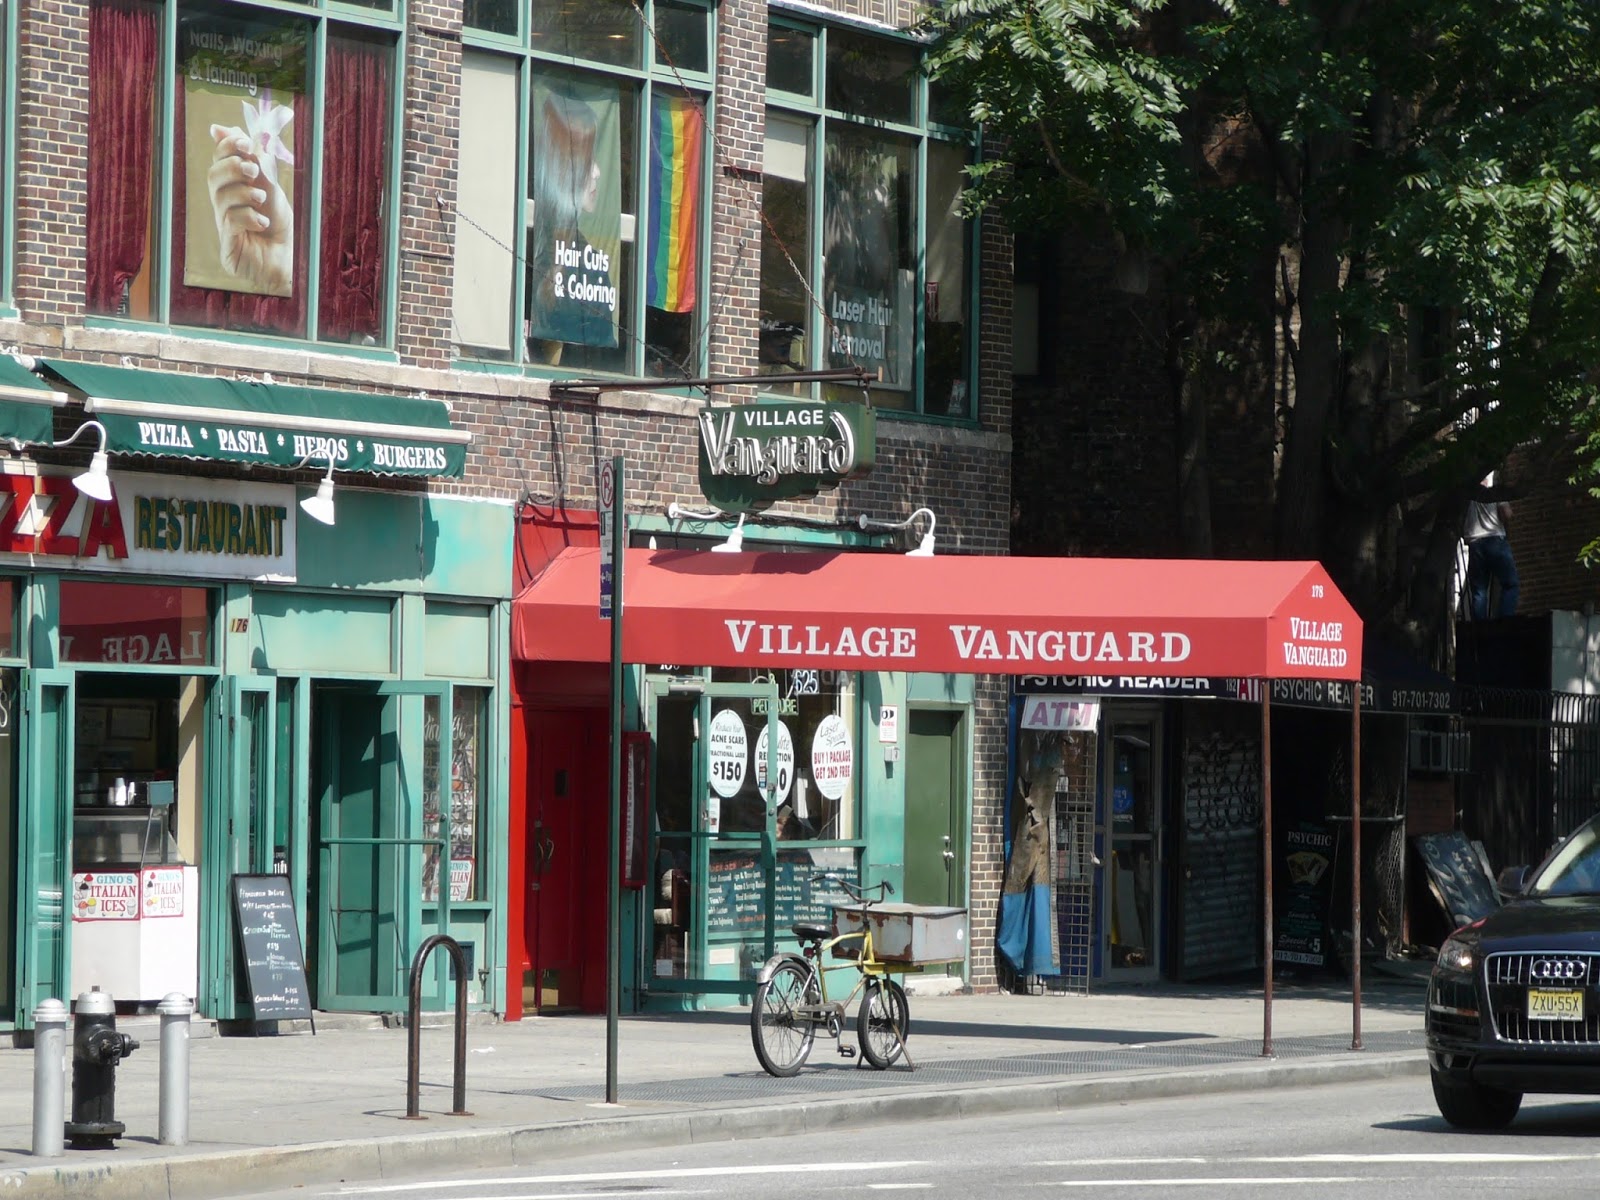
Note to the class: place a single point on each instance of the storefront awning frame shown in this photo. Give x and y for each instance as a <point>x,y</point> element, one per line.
<point>27,404</point>
<point>1270,619</point>
<point>245,421</point>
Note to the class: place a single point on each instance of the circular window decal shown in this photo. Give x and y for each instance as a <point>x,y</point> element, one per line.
<point>785,759</point>
<point>831,757</point>
<point>727,753</point>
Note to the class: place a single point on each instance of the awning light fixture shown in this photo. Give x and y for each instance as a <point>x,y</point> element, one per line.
<point>95,482</point>
<point>735,542</point>
<point>924,547</point>
<point>320,506</point>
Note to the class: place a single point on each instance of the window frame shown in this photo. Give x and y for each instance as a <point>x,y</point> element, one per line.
<point>923,132</point>
<point>646,78</point>
<point>388,23</point>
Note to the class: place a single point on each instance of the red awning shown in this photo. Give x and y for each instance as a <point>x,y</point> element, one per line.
<point>970,615</point>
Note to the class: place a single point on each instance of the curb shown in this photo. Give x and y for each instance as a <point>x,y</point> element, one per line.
<point>205,1176</point>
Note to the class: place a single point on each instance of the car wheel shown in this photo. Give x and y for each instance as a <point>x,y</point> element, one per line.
<point>1468,1105</point>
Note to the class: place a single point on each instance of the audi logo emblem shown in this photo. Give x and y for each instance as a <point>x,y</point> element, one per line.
<point>1559,968</point>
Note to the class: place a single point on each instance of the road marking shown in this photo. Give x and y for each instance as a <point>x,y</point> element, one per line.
<point>1241,1181</point>
<point>1465,1158</point>
<point>896,1187</point>
<point>614,1176</point>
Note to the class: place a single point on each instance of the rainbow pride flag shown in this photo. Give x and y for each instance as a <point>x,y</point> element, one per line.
<point>677,143</point>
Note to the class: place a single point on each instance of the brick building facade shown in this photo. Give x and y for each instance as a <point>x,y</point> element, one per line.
<point>407,599</point>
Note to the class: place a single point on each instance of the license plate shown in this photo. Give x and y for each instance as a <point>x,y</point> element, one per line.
<point>1564,1005</point>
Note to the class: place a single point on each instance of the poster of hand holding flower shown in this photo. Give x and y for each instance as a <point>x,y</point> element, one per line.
<point>241,82</point>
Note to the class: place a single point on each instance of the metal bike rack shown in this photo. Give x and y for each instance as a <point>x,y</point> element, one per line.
<point>414,1027</point>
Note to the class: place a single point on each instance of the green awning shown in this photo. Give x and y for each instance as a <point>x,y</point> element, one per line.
<point>27,403</point>
<point>266,424</point>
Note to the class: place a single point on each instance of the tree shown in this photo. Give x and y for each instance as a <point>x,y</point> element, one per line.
<point>1422,173</point>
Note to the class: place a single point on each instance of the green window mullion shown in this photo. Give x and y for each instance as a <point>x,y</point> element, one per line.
<point>519,251</point>
<point>644,108</point>
<point>919,300</point>
<point>316,87</point>
<point>391,261</point>
<point>160,250</point>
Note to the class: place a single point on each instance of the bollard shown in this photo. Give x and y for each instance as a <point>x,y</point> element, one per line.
<point>97,1048</point>
<point>49,1077</point>
<point>172,1124</point>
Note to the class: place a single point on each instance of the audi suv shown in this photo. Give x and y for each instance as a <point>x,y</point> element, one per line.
<point>1514,997</point>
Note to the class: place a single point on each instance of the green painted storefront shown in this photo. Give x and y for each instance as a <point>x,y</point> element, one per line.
<point>346,730</point>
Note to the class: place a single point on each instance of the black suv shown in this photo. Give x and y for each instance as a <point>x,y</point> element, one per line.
<point>1514,999</point>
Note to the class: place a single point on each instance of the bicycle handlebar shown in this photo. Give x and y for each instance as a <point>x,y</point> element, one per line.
<point>854,890</point>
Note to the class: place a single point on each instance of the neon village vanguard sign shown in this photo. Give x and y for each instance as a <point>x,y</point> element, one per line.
<point>753,454</point>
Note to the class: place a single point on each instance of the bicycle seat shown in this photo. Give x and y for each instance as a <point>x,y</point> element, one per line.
<point>812,933</point>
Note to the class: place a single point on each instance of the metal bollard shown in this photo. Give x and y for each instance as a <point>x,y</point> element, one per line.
<point>49,1078</point>
<point>172,1124</point>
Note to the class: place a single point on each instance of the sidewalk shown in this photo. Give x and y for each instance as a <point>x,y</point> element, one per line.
<point>271,1112</point>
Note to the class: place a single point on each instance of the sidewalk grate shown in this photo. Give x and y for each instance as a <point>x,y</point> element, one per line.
<point>826,1073</point>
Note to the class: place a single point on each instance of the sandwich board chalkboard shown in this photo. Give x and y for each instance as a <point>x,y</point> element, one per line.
<point>269,942</point>
<point>1457,876</point>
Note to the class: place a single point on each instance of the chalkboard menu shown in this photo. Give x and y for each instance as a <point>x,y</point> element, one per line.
<point>736,897</point>
<point>269,939</point>
<point>1457,876</point>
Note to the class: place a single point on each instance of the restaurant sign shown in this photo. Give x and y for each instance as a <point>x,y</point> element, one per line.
<point>754,454</point>
<point>153,524</point>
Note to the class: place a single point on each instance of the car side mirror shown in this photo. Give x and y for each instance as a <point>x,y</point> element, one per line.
<point>1511,881</point>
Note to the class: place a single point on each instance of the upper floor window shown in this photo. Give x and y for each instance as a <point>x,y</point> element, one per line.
<point>866,262</point>
<point>580,243</point>
<point>221,227</point>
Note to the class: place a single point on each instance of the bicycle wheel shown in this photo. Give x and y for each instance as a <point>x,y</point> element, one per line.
<point>883,1023</point>
<point>782,1036</point>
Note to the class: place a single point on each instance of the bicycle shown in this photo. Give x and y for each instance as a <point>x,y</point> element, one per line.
<point>792,1001</point>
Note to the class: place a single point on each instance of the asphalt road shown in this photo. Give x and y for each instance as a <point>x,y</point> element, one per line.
<point>1368,1141</point>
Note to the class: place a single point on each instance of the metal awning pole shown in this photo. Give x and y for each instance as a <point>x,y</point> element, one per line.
<point>1266,864</point>
<point>1355,865</point>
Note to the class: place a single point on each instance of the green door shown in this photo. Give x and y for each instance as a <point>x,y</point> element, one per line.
<point>370,758</point>
<point>935,851</point>
<point>713,917</point>
<point>44,844</point>
<point>238,829</point>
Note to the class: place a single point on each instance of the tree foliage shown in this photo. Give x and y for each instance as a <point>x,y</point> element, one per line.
<point>1426,174</point>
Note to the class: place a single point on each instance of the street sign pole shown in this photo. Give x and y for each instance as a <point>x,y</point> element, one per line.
<point>614,529</point>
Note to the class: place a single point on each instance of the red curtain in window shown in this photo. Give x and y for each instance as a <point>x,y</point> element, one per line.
<point>219,309</point>
<point>355,148</point>
<point>122,82</point>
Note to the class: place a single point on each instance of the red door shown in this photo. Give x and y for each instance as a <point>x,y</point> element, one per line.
<point>566,843</point>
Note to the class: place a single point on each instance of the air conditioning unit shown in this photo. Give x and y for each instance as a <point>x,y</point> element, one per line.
<point>1440,753</point>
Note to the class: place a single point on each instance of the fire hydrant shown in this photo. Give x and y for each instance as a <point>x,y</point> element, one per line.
<point>97,1048</point>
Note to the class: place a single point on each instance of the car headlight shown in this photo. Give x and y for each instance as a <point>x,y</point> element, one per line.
<point>1458,953</point>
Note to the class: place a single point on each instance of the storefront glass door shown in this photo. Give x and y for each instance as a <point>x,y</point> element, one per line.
<point>1133,868</point>
<point>44,843</point>
<point>369,779</point>
<point>711,915</point>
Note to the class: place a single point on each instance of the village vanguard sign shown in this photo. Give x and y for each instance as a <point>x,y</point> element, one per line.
<point>753,454</point>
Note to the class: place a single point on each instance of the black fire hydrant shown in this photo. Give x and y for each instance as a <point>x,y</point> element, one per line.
<point>97,1048</point>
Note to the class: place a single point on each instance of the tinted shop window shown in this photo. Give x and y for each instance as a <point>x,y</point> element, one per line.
<point>134,623</point>
<point>786,305</point>
<point>680,39</point>
<point>946,288</point>
<point>791,60</point>
<point>868,246</point>
<point>871,77</point>
<point>602,31</point>
<point>238,253</point>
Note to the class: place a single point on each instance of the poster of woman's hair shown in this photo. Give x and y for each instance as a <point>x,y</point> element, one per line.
<point>241,83</point>
<point>573,257</point>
